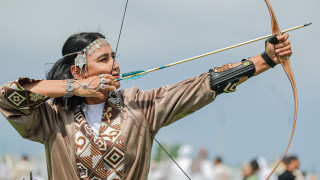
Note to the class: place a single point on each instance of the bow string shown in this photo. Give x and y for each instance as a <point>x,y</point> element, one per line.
<point>147,129</point>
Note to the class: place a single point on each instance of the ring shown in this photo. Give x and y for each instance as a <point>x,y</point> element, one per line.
<point>103,80</point>
<point>102,86</point>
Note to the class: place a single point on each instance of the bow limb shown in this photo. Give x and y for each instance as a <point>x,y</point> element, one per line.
<point>287,68</point>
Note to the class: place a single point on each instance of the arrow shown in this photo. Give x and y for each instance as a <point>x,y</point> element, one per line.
<point>137,74</point>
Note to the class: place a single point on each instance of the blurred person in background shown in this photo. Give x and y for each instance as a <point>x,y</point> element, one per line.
<point>4,170</point>
<point>22,169</point>
<point>155,172</point>
<point>185,160</point>
<point>250,171</point>
<point>201,168</point>
<point>292,172</point>
<point>220,170</point>
<point>246,171</point>
<point>265,170</point>
<point>296,171</point>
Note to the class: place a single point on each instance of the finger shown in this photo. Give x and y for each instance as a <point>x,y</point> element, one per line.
<point>280,50</point>
<point>282,44</point>
<point>107,88</point>
<point>110,82</point>
<point>286,53</point>
<point>108,76</point>
<point>283,37</point>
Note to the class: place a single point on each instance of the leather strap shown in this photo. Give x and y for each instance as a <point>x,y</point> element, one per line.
<point>268,60</point>
<point>273,40</point>
<point>287,68</point>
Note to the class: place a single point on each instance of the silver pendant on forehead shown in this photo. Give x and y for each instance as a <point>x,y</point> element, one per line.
<point>80,60</point>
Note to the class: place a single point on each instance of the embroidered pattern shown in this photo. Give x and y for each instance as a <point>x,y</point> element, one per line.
<point>35,97</point>
<point>100,157</point>
<point>231,87</point>
<point>24,100</point>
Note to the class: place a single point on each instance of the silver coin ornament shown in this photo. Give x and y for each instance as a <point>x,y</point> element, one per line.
<point>84,86</point>
<point>80,60</point>
<point>68,94</point>
<point>69,87</point>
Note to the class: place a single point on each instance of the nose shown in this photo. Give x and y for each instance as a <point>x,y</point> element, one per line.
<point>116,65</point>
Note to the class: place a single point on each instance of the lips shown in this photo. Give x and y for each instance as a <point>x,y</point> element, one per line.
<point>116,75</point>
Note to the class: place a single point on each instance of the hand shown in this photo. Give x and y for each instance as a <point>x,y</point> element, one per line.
<point>94,83</point>
<point>283,48</point>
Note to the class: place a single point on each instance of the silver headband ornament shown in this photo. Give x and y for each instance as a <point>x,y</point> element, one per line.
<point>81,59</point>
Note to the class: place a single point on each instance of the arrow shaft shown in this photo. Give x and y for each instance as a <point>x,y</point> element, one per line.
<point>210,53</point>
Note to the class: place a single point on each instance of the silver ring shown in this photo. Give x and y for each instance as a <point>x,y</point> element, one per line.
<point>102,86</point>
<point>103,80</point>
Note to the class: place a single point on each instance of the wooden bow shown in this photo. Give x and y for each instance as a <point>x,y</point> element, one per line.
<point>287,68</point>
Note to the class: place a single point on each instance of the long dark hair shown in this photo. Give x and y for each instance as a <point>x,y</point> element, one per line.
<point>61,69</point>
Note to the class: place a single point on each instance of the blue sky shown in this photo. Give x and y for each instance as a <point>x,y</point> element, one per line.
<point>256,120</point>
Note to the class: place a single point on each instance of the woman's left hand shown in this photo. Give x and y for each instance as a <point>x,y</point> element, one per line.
<point>283,48</point>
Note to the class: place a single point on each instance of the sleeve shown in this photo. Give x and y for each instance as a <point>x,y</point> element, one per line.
<point>27,112</point>
<point>165,105</point>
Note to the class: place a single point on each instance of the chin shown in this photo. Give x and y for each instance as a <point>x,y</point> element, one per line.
<point>117,84</point>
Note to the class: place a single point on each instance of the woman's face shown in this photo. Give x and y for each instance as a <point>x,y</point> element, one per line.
<point>100,62</point>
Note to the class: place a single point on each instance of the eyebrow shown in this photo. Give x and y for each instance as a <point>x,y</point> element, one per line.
<point>106,55</point>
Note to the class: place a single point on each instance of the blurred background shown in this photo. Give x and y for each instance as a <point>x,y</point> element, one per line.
<point>255,121</point>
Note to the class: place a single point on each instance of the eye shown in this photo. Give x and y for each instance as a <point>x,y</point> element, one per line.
<point>102,60</point>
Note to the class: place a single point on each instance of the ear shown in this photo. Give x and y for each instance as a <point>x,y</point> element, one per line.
<point>75,71</point>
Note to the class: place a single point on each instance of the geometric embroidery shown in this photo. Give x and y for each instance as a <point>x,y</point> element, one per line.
<point>101,156</point>
<point>35,97</point>
<point>231,87</point>
<point>214,94</point>
<point>100,143</point>
<point>23,99</point>
<point>95,178</point>
<point>16,98</point>
<point>82,170</point>
<point>3,92</point>
<point>114,157</point>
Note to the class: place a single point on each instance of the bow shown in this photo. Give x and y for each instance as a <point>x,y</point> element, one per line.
<point>285,64</point>
<point>287,68</point>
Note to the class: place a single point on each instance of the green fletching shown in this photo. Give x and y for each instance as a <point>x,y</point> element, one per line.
<point>134,75</point>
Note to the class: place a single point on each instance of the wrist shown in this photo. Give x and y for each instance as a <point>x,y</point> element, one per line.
<point>69,87</point>
<point>91,86</point>
<point>268,60</point>
<point>259,64</point>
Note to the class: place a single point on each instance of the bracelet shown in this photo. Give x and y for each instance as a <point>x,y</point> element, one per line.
<point>70,87</point>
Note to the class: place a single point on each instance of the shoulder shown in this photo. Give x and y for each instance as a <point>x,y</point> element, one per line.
<point>128,92</point>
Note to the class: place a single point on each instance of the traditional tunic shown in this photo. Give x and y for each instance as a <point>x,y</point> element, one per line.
<point>39,120</point>
<point>100,156</point>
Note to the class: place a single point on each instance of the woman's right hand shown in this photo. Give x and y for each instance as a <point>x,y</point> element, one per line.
<point>95,82</point>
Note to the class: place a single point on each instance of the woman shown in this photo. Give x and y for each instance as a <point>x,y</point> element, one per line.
<point>90,133</point>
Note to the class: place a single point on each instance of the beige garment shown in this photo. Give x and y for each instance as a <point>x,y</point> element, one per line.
<point>222,172</point>
<point>21,170</point>
<point>298,174</point>
<point>54,127</point>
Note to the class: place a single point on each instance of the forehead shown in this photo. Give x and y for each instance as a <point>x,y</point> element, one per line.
<point>97,48</point>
